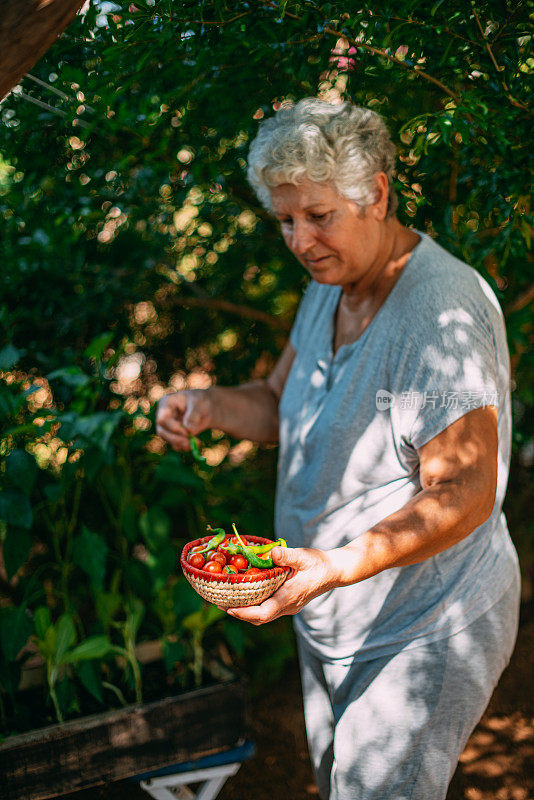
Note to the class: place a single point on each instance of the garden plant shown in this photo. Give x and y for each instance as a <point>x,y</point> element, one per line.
<point>135,259</point>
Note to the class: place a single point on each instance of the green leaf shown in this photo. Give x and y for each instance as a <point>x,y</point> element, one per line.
<point>15,509</point>
<point>65,636</point>
<point>93,461</point>
<point>173,652</point>
<point>8,405</point>
<point>90,553</point>
<point>155,526</point>
<point>435,8</point>
<point>129,523</point>
<point>27,428</point>
<point>185,599</point>
<point>17,547</point>
<point>90,676</point>
<point>172,469</point>
<point>41,621</point>
<point>10,674</point>
<point>9,356</point>
<point>135,611</point>
<point>53,492</point>
<point>137,579</point>
<point>66,696</point>
<point>107,606</point>
<point>92,648</point>
<point>95,429</point>
<point>96,347</point>
<point>70,376</point>
<point>201,620</point>
<point>234,632</point>
<point>161,565</point>
<point>15,630</point>
<point>48,646</point>
<point>21,470</point>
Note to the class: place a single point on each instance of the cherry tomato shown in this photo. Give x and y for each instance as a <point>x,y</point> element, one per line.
<point>217,556</point>
<point>254,571</point>
<point>230,569</point>
<point>238,561</point>
<point>196,560</point>
<point>197,548</point>
<point>235,540</point>
<point>214,567</point>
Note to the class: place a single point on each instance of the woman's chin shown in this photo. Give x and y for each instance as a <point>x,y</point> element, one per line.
<point>324,275</point>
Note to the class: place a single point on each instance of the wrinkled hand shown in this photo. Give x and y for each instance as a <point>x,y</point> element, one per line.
<point>312,574</point>
<point>181,414</point>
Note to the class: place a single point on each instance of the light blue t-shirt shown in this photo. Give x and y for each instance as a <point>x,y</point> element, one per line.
<point>350,427</point>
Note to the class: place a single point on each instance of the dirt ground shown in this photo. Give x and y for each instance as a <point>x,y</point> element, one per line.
<point>497,763</point>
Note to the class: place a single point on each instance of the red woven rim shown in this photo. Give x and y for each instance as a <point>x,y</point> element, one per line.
<point>228,578</point>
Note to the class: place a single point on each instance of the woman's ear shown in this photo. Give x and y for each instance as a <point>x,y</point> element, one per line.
<point>380,206</point>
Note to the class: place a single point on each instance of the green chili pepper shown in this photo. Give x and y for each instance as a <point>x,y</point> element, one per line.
<point>195,452</point>
<point>266,548</point>
<point>250,552</point>
<point>232,549</point>
<point>215,541</point>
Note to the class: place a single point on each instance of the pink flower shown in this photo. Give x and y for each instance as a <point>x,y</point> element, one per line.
<point>343,63</point>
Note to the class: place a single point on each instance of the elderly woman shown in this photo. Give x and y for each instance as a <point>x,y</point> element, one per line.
<point>391,406</point>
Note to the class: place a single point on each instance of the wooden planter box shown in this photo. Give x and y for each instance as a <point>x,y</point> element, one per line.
<point>118,744</point>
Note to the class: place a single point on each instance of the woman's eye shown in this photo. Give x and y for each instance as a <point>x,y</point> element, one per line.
<point>319,217</point>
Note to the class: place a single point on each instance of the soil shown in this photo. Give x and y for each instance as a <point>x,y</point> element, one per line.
<point>497,763</point>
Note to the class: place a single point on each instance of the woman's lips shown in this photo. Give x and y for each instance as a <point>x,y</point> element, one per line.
<point>314,262</point>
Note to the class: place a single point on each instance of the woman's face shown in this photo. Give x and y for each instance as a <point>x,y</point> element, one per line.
<point>328,234</point>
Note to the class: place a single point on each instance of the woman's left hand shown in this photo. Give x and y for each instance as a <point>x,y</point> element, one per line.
<point>312,574</point>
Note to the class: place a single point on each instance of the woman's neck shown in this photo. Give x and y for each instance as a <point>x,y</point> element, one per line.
<point>394,251</point>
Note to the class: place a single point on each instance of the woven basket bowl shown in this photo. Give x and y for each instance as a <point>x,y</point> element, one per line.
<point>233,591</point>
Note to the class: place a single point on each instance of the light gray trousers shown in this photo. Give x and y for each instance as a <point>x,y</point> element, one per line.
<point>394,728</point>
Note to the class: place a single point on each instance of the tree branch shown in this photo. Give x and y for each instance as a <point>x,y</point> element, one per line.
<point>521,302</point>
<point>378,52</point>
<point>384,54</point>
<point>428,25</point>
<point>507,22</point>
<point>375,51</point>
<point>57,92</point>
<point>214,22</point>
<point>231,308</point>
<point>498,69</point>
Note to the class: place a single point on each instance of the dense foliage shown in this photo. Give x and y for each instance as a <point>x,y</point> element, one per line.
<point>135,256</point>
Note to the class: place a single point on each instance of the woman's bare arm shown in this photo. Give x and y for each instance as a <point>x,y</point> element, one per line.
<point>458,473</point>
<point>458,470</point>
<point>249,411</point>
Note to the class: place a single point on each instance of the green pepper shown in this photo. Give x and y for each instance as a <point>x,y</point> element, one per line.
<point>266,548</point>
<point>195,452</point>
<point>250,551</point>
<point>232,549</point>
<point>215,541</point>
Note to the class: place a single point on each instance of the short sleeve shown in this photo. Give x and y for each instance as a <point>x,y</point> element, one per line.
<point>446,366</point>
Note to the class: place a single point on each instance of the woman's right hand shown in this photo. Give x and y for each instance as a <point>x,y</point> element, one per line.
<point>182,414</point>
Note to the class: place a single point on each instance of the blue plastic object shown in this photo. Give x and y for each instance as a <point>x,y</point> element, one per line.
<point>237,754</point>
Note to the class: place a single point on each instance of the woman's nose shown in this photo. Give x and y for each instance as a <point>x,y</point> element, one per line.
<point>302,238</point>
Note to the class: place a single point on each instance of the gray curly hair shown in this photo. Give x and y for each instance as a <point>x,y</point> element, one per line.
<point>345,145</point>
